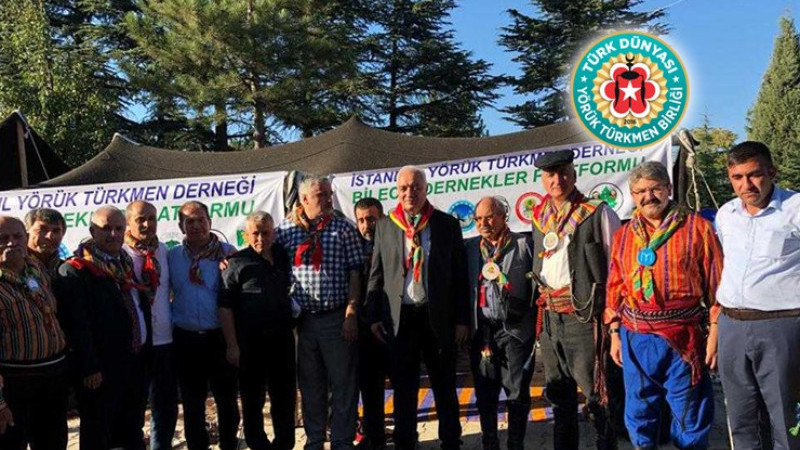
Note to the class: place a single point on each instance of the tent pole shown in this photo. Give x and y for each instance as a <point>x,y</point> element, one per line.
<point>23,160</point>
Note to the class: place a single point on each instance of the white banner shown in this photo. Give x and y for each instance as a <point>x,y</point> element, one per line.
<point>230,198</point>
<point>456,186</point>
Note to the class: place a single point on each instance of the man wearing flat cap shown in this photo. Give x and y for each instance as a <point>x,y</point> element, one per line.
<point>572,235</point>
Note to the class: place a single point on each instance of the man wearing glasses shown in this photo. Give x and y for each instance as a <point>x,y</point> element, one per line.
<point>571,240</point>
<point>665,268</point>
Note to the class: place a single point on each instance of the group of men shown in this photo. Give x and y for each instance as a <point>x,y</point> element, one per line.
<point>125,319</point>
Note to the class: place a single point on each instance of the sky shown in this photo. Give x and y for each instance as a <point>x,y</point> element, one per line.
<point>726,45</point>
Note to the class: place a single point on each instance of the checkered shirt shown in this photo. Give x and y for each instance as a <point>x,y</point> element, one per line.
<point>342,251</point>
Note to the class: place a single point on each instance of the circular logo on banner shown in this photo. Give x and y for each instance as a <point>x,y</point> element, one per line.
<point>464,211</point>
<point>63,251</point>
<point>609,193</point>
<point>525,204</point>
<point>630,89</point>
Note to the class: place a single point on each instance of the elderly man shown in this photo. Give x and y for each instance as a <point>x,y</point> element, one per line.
<point>256,316</point>
<point>759,328</point>
<point>419,268</point>
<point>503,322</point>
<point>372,353</point>
<point>46,229</point>
<point>107,322</point>
<point>199,344</point>
<point>665,268</point>
<point>33,372</point>
<point>151,268</point>
<point>327,257</point>
<point>571,239</point>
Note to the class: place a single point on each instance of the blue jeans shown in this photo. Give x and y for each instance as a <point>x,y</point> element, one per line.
<point>163,394</point>
<point>655,372</point>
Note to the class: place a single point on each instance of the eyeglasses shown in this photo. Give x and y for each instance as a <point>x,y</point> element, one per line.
<point>655,190</point>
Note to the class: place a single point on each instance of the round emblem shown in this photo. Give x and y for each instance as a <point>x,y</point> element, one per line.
<point>646,257</point>
<point>524,206</point>
<point>490,271</point>
<point>464,211</point>
<point>32,284</point>
<point>550,241</point>
<point>609,193</point>
<point>630,89</point>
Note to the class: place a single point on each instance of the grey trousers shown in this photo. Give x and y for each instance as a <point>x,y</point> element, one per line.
<point>325,359</point>
<point>759,364</point>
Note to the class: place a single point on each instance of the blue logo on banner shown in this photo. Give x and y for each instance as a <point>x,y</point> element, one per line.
<point>464,211</point>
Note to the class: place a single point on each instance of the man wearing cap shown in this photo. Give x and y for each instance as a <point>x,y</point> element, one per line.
<point>759,328</point>
<point>572,235</point>
<point>665,269</point>
<point>419,267</point>
<point>503,322</point>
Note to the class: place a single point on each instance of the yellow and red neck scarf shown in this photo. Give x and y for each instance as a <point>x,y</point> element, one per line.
<point>120,270</point>
<point>503,244</point>
<point>213,250</point>
<point>151,269</point>
<point>563,220</point>
<point>413,233</point>
<point>313,243</point>
<point>643,274</point>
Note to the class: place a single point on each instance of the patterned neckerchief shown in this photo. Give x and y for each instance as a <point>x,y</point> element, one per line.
<point>313,243</point>
<point>413,232</point>
<point>492,254</point>
<point>212,250</point>
<point>564,220</point>
<point>151,269</point>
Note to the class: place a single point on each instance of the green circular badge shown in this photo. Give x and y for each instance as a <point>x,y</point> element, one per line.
<point>630,89</point>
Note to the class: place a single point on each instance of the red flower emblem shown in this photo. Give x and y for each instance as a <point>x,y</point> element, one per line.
<point>630,90</point>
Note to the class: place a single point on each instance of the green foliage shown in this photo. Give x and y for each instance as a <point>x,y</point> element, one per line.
<point>546,45</point>
<point>422,82</point>
<point>58,85</point>
<point>711,159</point>
<point>773,119</point>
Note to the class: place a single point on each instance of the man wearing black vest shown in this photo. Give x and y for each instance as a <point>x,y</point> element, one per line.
<point>572,235</point>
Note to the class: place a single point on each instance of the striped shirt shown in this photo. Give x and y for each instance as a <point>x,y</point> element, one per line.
<point>29,329</point>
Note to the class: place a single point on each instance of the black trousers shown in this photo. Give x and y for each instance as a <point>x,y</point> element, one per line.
<point>267,364</point>
<point>568,354</point>
<point>416,342</point>
<point>373,366</point>
<point>509,372</point>
<point>113,414</point>
<point>38,401</point>
<point>201,363</point>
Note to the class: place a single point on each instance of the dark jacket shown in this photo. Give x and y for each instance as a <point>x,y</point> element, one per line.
<point>94,318</point>
<point>447,289</point>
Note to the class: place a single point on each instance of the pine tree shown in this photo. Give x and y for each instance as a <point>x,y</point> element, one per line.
<point>422,82</point>
<point>546,45</point>
<point>773,118</point>
<point>711,158</point>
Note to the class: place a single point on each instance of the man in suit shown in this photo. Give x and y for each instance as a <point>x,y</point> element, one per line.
<point>503,322</point>
<point>107,322</point>
<point>419,264</point>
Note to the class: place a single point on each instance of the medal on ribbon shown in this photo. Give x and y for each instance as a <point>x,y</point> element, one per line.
<point>550,241</point>
<point>490,271</point>
<point>646,257</point>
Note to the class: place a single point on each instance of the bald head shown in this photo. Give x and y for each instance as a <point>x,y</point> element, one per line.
<point>490,218</point>
<point>108,229</point>
<point>13,239</point>
<point>141,220</point>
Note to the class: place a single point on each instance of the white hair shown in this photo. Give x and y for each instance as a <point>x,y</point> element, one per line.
<point>416,171</point>
<point>310,181</point>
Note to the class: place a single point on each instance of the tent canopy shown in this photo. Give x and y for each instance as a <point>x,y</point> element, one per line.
<point>42,163</point>
<point>351,147</point>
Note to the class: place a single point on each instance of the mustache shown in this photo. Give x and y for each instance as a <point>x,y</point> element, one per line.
<point>653,201</point>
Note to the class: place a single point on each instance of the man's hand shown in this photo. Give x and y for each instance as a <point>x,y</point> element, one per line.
<point>232,355</point>
<point>93,381</point>
<point>6,418</point>
<point>378,331</point>
<point>711,348</point>
<point>350,325</point>
<point>616,349</point>
<point>462,334</point>
<point>223,264</point>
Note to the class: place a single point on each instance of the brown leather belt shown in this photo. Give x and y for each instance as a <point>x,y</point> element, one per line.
<point>755,314</point>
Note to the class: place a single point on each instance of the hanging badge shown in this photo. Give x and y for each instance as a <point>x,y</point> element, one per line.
<point>32,284</point>
<point>490,271</point>
<point>646,257</point>
<point>550,241</point>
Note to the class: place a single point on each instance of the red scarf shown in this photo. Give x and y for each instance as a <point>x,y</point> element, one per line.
<point>120,271</point>
<point>413,234</point>
<point>213,251</point>
<point>151,269</point>
<point>312,242</point>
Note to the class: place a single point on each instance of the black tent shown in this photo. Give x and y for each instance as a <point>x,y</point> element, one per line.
<point>40,163</point>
